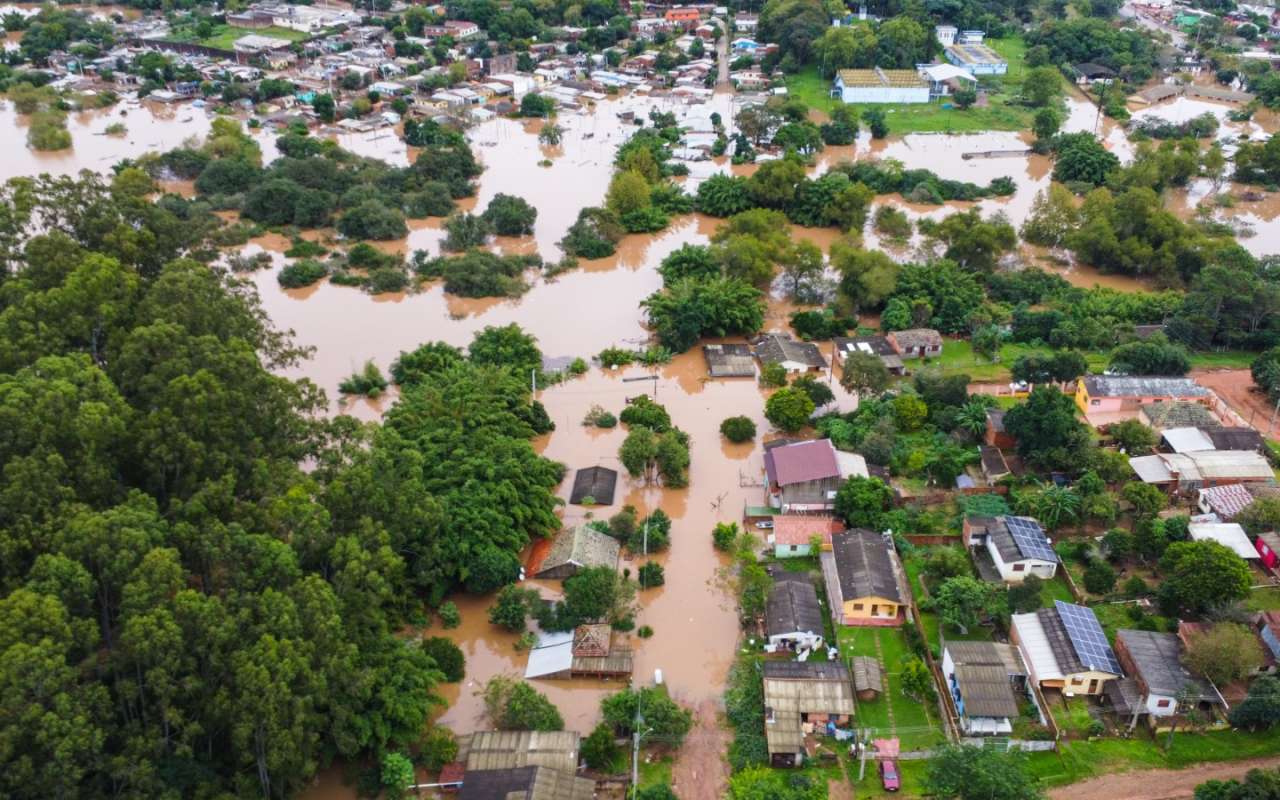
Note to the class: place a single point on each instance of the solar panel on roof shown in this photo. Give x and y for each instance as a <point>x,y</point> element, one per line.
<point>1087,637</point>
<point>1030,538</point>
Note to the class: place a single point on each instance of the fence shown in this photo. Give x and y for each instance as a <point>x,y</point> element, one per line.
<point>1002,743</point>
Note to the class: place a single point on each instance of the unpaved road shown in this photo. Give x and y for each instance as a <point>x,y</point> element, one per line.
<point>1235,386</point>
<point>1157,784</point>
<point>700,771</point>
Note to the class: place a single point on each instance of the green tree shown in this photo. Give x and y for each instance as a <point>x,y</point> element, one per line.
<point>957,772</point>
<point>864,374</point>
<point>509,215</point>
<point>789,409</point>
<point>1049,435</point>
<point>863,502</point>
<point>397,775</point>
<point>664,719</point>
<point>961,601</point>
<point>1260,710</point>
<point>1228,652</point>
<point>1198,575</point>
<point>1145,499</point>
<point>513,705</point>
<point>738,429</point>
<point>599,749</point>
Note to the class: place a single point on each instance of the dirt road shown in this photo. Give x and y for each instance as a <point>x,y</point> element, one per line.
<point>1235,386</point>
<point>1157,784</point>
<point>700,771</point>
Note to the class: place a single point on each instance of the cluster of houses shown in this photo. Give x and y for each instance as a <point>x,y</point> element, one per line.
<point>968,59</point>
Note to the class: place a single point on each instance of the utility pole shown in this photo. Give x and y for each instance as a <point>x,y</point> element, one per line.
<point>533,384</point>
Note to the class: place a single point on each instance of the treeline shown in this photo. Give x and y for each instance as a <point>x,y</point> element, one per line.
<point>315,183</point>
<point>186,612</point>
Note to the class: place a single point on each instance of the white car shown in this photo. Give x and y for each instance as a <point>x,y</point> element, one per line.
<point>766,525</point>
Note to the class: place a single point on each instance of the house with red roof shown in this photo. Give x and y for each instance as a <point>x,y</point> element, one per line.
<point>792,533</point>
<point>805,476</point>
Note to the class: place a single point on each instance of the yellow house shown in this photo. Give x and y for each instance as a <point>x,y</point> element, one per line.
<point>1065,648</point>
<point>863,578</point>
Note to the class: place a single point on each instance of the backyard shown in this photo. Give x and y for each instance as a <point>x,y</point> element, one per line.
<point>893,713</point>
<point>958,357</point>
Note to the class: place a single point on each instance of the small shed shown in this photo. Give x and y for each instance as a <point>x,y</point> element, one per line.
<point>1268,546</point>
<point>596,484</point>
<point>868,681</point>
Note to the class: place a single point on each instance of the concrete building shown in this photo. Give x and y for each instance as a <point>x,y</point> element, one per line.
<point>805,476</point>
<point>880,86</point>
<point>800,699</point>
<point>976,59</point>
<point>1118,393</point>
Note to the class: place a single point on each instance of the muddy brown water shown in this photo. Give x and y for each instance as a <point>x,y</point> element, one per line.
<point>575,314</point>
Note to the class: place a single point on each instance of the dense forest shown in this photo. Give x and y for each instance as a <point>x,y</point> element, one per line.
<point>184,611</point>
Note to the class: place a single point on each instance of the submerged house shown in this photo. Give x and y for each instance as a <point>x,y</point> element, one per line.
<point>486,750</point>
<point>794,356</point>
<point>585,652</point>
<point>1065,648</point>
<point>1010,548</point>
<point>803,699</point>
<point>793,617</point>
<point>729,360</point>
<point>805,476</point>
<point>985,680</point>
<point>594,486</point>
<point>863,579</point>
<point>578,548</point>
<point>525,783</point>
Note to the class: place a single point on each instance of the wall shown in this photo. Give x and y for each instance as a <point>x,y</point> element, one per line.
<point>863,616</point>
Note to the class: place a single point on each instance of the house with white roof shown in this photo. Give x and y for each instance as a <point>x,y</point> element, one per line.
<point>1228,534</point>
<point>1186,440</point>
<point>1065,648</point>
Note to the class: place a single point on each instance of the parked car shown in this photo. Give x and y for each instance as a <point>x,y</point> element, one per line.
<point>889,776</point>
<point>766,525</point>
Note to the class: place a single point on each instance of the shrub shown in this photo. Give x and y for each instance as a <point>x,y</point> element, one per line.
<point>439,747</point>
<point>448,657</point>
<point>738,429</point>
<point>724,535</point>
<point>1135,587</point>
<point>613,357</point>
<point>301,273</point>
<point>369,382</point>
<point>773,375</point>
<point>450,617</point>
<point>599,418</point>
<point>600,749</point>
<point>651,575</point>
<point>1099,577</point>
<point>644,631</point>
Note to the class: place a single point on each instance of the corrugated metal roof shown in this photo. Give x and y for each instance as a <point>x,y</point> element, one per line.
<point>1157,657</point>
<point>864,565</point>
<point>507,749</point>
<point>881,78</point>
<point>1035,647</point>
<point>802,462</point>
<point>985,690</point>
<point>1143,386</point>
<point>1187,440</point>
<point>582,546</point>
<point>793,608</point>
<point>1228,534</point>
<point>1227,501</point>
<point>552,655</point>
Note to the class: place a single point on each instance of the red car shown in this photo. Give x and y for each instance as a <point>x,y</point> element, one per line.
<point>889,776</point>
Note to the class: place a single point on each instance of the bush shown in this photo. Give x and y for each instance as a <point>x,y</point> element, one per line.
<point>738,429</point>
<point>439,747</point>
<point>448,657</point>
<point>450,617</point>
<point>648,413</point>
<point>724,535</point>
<point>613,357</point>
<point>372,220</point>
<point>600,749</point>
<point>301,273</point>
<point>597,417</point>
<point>1135,587</point>
<point>1099,577</point>
<point>644,631</point>
<point>773,375</point>
<point>369,382</point>
<point>651,575</point>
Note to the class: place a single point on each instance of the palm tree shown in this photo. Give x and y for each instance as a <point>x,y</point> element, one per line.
<point>1056,505</point>
<point>972,417</point>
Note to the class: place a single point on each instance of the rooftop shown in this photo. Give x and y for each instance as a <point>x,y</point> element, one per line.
<point>917,337</point>
<point>1157,658</point>
<point>796,529</point>
<point>1186,440</point>
<point>864,565</point>
<point>1142,386</point>
<point>525,783</point>
<point>801,462</point>
<point>507,749</point>
<point>598,483</point>
<point>729,360</point>
<point>793,607</point>
<point>775,348</point>
<point>881,78</point>
<point>1228,534</point>
<point>583,547</point>
<point>975,54</point>
<point>1173,415</point>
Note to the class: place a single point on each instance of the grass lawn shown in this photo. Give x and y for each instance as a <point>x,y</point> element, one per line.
<point>915,724</point>
<point>1078,760</point>
<point>1056,589</point>
<point>1072,717</point>
<point>958,356</point>
<point>1264,599</point>
<point>933,117</point>
<point>224,36</point>
<point>911,774</point>
<point>656,772</point>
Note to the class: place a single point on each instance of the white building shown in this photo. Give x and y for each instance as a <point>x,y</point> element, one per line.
<point>880,86</point>
<point>1017,546</point>
<point>1227,534</point>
